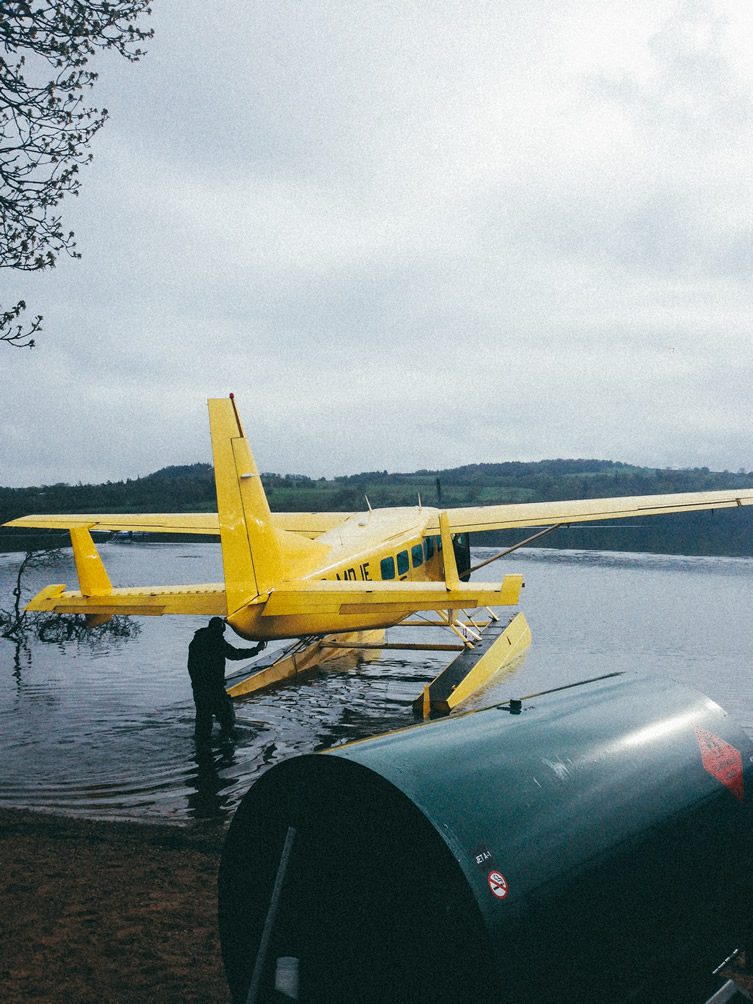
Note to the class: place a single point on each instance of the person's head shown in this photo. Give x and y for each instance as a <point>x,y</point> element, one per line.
<point>217,625</point>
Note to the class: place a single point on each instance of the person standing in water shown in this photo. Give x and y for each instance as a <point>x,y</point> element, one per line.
<point>207,653</point>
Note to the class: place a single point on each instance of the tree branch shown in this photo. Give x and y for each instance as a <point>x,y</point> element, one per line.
<point>46,128</point>
<point>15,334</point>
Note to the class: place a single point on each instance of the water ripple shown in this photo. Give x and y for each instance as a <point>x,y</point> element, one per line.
<point>106,730</point>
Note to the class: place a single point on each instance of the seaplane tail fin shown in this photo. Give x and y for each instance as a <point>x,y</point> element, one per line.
<point>251,553</point>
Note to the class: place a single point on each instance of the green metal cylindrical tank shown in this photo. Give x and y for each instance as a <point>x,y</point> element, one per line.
<point>593,844</point>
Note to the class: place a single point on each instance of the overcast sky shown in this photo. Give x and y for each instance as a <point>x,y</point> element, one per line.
<point>405,234</point>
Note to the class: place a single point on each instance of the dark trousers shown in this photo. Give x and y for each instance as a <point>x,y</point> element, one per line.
<point>209,706</point>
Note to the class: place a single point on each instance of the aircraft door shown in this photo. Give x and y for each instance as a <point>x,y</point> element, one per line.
<point>461,545</point>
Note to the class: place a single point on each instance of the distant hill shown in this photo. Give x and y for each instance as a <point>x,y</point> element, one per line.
<point>190,488</point>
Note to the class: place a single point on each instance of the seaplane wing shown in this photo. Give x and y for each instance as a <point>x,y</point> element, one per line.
<point>177,522</point>
<point>307,524</point>
<point>532,514</point>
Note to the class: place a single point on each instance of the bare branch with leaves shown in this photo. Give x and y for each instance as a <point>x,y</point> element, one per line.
<point>13,623</point>
<point>46,127</point>
<point>16,334</point>
<point>19,626</point>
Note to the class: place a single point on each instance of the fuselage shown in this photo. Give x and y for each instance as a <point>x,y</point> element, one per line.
<point>381,545</point>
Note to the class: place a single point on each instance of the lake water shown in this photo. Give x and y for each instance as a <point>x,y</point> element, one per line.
<point>104,727</point>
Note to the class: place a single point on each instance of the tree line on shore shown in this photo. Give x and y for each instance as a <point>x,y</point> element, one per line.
<point>191,489</point>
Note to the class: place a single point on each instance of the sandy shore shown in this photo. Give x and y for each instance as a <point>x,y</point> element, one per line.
<point>108,912</point>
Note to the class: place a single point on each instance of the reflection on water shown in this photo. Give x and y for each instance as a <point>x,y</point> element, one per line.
<point>209,798</point>
<point>107,729</point>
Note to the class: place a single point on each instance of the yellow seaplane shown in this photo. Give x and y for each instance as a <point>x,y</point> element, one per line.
<point>334,581</point>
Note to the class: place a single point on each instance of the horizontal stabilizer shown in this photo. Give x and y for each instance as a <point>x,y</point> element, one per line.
<point>389,598</point>
<point>145,601</point>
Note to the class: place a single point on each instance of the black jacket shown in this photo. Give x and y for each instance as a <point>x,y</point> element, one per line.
<point>207,653</point>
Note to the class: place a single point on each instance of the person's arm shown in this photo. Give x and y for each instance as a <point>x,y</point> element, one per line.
<point>233,653</point>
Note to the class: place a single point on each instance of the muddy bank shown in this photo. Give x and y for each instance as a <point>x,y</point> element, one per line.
<point>108,911</point>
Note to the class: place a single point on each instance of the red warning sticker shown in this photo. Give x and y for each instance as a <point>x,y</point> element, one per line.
<point>497,884</point>
<point>721,760</point>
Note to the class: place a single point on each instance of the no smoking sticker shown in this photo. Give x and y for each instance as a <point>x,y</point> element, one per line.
<point>497,884</point>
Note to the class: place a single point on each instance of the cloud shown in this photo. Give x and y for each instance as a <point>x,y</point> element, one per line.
<point>406,235</point>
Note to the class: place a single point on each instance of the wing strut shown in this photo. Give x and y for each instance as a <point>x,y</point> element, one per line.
<point>451,577</point>
<point>522,543</point>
